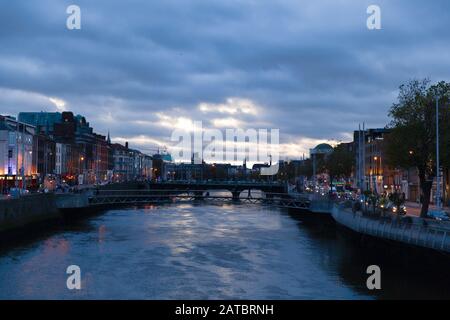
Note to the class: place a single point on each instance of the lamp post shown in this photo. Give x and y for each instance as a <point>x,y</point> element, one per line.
<point>438,173</point>
<point>81,169</point>
<point>375,177</point>
<point>313,155</point>
<point>23,157</point>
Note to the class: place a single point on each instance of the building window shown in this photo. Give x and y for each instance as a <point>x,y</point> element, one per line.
<point>12,138</point>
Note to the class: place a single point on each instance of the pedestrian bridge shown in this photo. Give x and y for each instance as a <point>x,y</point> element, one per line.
<point>235,187</point>
<point>116,197</point>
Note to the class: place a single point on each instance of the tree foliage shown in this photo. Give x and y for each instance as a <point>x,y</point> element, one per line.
<point>339,163</point>
<point>412,138</point>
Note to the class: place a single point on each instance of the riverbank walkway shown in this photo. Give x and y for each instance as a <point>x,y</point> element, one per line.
<point>413,208</point>
<point>426,233</point>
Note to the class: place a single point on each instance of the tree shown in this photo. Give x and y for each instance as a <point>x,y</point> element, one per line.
<point>339,163</point>
<point>412,138</point>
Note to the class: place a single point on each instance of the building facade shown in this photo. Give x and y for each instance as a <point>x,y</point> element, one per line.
<point>16,153</point>
<point>44,155</point>
<point>372,171</point>
<point>80,155</point>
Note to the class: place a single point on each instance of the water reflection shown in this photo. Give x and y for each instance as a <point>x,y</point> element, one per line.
<point>199,251</point>
<point>407,273</point>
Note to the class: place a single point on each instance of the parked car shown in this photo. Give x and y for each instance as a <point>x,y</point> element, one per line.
<point>439,215</point>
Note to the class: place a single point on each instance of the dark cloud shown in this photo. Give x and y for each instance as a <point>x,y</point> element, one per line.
<point>313,68</point>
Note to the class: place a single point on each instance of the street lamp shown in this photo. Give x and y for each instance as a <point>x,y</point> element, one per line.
<point>81,170</point>
<point>375,176</point>
<point>438,173</point>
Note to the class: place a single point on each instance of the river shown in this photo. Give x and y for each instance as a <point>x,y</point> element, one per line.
<point>211,251</point>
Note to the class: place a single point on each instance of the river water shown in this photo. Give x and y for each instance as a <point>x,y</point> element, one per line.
<point>207,251</point>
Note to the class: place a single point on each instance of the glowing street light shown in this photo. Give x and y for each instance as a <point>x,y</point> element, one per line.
<point>438,174</point>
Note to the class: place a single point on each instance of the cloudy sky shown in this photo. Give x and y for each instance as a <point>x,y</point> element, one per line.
<point>142,68</point>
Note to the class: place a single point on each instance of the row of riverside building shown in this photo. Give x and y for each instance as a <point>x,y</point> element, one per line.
<point>47,148</point>
<point>51,147</point>
<point>372,170</point>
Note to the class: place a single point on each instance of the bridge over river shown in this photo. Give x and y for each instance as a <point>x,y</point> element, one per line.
<point>146,196</point>
<point>235,187</point>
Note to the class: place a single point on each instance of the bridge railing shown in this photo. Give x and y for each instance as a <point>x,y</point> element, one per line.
<point>177,192</point>
<point>216,182</point>
<point>419,234</point>
<point>163,195</point>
